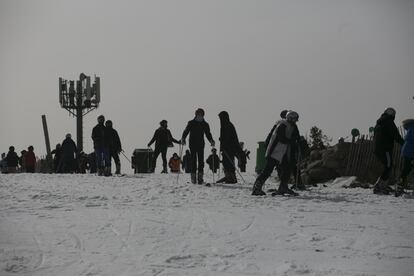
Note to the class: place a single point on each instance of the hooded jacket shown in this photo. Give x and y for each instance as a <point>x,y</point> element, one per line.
<point>385,133</point>
<point>408,147</point>
<point>229,142</point>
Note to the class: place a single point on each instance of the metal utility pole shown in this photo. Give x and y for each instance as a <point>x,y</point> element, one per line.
<point>79,100</point>
<point>46,132</point>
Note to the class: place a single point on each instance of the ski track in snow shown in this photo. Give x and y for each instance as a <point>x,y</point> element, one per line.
<point>152,225</point>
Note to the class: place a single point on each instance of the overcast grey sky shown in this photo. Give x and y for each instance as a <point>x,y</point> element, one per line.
<point>339,64</point>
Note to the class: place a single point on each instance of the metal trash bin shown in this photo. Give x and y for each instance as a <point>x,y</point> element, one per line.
<point>142,160</point>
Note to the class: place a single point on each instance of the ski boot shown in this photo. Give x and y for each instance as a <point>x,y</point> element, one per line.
<point>257,188</point>
<point>193,178</point>
<point>107,171</point>
<point>380,187</point>
<point>284,189</point>
<point>118,169</point>
<point>200,179</point>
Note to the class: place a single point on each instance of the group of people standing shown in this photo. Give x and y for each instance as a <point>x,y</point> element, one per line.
<point>107,146</point>
<point>198,129</point>
<point>12,163</point>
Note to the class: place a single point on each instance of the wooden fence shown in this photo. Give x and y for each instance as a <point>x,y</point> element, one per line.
<point>362,161</point>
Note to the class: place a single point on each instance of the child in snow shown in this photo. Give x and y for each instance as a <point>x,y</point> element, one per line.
<point>213,161</point>
<point>175,163</point>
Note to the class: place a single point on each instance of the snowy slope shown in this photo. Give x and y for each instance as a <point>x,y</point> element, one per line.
<point>150,225</point>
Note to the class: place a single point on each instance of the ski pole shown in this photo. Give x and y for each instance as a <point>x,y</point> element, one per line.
<point>232,163</point>
<point>213,168</point>
<point>123,153</point>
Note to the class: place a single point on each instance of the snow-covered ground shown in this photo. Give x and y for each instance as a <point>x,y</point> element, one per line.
<point>150,225</point>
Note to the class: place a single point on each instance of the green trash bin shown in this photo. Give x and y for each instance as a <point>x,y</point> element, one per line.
<point>260,157</point>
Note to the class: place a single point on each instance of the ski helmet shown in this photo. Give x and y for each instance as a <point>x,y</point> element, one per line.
<point>390,111</point>
<point>199,111</point>
<point>108,123</point>
<point>292,116</point>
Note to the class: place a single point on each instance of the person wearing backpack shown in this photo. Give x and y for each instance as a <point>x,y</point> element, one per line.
<point>385,133</point>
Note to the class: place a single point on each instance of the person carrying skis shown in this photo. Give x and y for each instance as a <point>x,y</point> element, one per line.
<point>12,160</point>
<point>407,152</point>
<point>115,147</point>
<point>230,148</point>
<point>385,133</point>
<point>186,164</point>
<point>163,139</point>
<point>30,160</point>
<point>213,161</point>
<point>69,150</point>
<point>101,142</point>
<point>279,152</point>
<point>197,128</point>
<point>175,163</point>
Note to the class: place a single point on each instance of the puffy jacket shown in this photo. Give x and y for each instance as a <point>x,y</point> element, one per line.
<point>385,133</point>
<point>408,147</point>
<point>174,164</point>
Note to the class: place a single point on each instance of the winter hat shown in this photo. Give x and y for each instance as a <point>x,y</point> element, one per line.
<point>68,135</point>
<point>163,122</point>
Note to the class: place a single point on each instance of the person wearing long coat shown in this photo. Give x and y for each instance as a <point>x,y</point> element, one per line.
<point>69,151</point>
<point>229,147</point>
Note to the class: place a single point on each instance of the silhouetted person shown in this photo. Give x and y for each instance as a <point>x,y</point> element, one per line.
<point>3,163</point>
<point>163,139</point>
<point>115,147</point>
<point>385,133</point>
<point>101,142</point>
<point>57,158</point>
<point>12,160</point>
<point>230,148</point>
<point>213,161</point>
<point>68,155</point>
<point>197,128</point>
<point>30,160</point>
